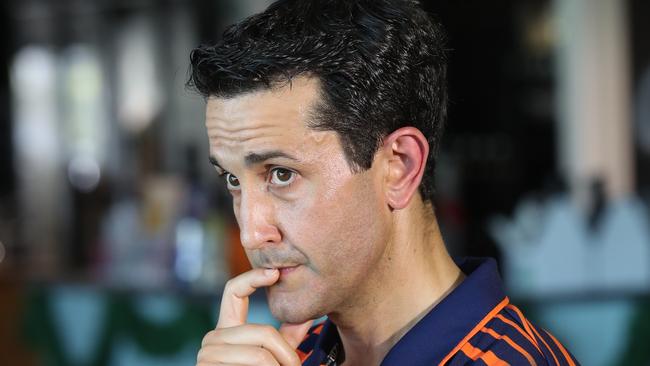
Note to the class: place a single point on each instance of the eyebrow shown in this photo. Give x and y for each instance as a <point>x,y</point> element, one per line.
<point>256,158</point>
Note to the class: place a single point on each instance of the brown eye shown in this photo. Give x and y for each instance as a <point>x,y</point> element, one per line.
<point>232,182</point>
<point>282,177</point>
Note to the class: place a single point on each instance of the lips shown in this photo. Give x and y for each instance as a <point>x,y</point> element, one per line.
<point>285,269</point>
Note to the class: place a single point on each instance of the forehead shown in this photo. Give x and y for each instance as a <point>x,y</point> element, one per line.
<point>266,120</point>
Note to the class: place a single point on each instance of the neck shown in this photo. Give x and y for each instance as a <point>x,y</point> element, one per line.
<point>415,273</point>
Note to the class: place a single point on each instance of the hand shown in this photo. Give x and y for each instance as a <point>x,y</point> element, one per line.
<point>234,342</point>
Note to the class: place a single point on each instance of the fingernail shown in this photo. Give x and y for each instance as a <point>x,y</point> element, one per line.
<point>270,272</point>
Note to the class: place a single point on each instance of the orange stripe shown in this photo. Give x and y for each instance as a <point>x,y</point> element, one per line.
<point>564,352</point>
<point>488,357</point>
<point>524,321</point>
<point>511,343</point>
<point>476,329</point>
<point>546,344</point>
<point>318,329</point>
<point>518,328</point>
<point>302,355</point>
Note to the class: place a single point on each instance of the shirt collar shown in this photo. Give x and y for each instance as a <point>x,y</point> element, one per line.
<point>446,325</point>
<point>327,340</point>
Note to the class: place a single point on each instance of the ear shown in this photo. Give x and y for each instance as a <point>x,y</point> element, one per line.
<point>405,151</point>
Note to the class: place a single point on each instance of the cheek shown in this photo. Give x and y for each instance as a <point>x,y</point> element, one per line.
<point>337,226</point>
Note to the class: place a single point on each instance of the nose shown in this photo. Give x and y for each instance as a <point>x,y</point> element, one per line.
<point>256,218</point>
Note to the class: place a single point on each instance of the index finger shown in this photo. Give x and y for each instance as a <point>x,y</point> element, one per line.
<point>234,302</point>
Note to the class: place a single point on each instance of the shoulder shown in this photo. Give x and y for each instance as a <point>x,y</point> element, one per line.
<point>508,338</point>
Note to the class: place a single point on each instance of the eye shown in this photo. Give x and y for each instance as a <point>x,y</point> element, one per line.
<point>232,182</point>
<point>282,177</point>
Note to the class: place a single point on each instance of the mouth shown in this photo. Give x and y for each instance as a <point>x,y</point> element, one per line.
<point>286,270</point>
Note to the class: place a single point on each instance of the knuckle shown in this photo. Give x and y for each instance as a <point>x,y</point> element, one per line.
<point>201,356</point>
<point>295,360</point>
<point>210,337</point>
<point>205,354</point>
<point>208,354</point>
<point>229,285</point>
<point>263,357</point>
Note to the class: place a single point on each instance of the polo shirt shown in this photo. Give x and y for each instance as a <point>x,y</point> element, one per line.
<point>475,324</point>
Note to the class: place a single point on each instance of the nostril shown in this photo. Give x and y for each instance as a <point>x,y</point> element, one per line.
<point>260,235</point>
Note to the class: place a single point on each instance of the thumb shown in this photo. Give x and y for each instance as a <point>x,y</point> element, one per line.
<point>295,333</point>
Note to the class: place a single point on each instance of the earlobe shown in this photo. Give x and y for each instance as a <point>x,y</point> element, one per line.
<point>406,151</point>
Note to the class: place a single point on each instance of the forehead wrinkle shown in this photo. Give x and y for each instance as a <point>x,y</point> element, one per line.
<point>231,123</point>
<point>232,119</point>
<point>241,135</point>
<point>269,120</point>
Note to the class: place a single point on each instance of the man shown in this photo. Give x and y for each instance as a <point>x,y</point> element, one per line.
<point>324,118</point>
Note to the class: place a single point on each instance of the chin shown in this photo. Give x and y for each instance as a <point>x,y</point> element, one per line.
<point>292,310</point>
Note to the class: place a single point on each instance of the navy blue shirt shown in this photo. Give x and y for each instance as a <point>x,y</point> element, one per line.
<point>473,325</point>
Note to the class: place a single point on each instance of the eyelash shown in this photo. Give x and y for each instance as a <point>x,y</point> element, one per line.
<point>224,175</point>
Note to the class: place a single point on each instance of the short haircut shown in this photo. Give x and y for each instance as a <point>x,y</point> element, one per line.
<point>382,65</point>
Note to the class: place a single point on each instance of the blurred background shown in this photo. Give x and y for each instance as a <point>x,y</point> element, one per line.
<point>115,238</point>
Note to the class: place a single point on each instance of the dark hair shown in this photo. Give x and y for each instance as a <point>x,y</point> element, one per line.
<point>381,65</point>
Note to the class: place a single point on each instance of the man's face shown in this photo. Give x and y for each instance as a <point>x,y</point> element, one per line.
<point>297,203</point>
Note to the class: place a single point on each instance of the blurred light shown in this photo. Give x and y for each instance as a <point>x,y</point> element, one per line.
<point>85,121</point>
<point>37,152</point>
<point>139,93</point>
<point>84,173</point>
<point>33,72</point>
<point>33,80</point>
<point>189,249</point>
